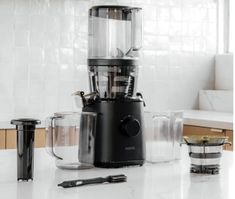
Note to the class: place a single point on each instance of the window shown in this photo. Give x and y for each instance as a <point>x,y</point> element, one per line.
<point>225,26</point>
<point>231,43</point>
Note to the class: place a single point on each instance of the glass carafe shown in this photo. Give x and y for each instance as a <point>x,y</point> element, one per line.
<point>164,135</point>
<point>64,132</point>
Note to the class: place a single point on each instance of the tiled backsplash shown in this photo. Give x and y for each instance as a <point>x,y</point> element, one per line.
<point>43,51</point>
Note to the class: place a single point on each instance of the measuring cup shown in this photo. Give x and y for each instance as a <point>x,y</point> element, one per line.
<point>163,134</point>
<point>63,134</point>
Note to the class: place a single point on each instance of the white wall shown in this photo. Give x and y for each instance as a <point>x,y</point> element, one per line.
<point>43,51</point>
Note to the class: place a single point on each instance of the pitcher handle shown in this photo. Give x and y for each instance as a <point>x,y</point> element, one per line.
<point>49,137</point>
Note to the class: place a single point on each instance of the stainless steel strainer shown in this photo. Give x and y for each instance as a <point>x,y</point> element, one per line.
<point>205,152</point>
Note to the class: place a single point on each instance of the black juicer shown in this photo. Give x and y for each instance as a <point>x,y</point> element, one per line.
<point>115,37</point>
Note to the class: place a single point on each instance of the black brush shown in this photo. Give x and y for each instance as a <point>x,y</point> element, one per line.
<point>81,182</point>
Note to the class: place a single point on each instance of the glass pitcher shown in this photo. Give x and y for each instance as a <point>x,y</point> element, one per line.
<point>64,132</point>
<point>164,134</point>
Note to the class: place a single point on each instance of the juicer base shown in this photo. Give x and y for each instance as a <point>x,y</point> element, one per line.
<point>119,139</point>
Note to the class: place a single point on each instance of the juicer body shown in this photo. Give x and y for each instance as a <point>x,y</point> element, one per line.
<point>119,139</point>
<point>114,42</point>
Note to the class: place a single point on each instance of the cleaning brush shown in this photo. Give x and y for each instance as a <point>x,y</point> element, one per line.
<point>81,182</point>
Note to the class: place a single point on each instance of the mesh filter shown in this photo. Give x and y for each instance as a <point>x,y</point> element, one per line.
<point>113,81</point>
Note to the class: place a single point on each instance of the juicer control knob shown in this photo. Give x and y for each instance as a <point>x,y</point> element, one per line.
<point>130,126</point>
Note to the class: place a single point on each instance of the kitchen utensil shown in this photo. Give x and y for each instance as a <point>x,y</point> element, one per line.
<point>114,42</point>
<point>70,139</point>
<point>205,152</point>
<point>100,180</point>
<point>25,128</point>
<point>163,132</point>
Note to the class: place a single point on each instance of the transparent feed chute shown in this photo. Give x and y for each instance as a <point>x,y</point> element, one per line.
<point>115,32</point>
<point>115,39</point>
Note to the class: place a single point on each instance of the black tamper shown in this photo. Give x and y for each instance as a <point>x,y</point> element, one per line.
<point>25,128</point>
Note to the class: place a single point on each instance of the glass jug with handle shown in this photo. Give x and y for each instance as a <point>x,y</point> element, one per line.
<point>63,135</point>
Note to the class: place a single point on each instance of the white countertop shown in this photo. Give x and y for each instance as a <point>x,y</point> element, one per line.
<point>165,180</point>
<point>211,119</point>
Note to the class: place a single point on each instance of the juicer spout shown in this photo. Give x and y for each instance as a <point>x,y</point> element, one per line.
<point>81,94</point>
<point>86,98</point>
<point>141,97</point>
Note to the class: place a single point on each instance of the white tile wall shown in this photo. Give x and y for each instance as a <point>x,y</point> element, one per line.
<point>43,50</point>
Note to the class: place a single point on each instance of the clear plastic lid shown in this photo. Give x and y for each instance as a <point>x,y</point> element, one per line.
<point>115,32</point>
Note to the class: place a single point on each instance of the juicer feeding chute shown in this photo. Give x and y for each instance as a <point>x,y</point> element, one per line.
<point>114,32</point>
<point>115,38</point>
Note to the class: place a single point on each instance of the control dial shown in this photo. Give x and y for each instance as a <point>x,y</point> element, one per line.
<point>130,126</point>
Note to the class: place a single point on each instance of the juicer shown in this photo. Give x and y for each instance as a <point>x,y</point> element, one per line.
<point>114,40</point>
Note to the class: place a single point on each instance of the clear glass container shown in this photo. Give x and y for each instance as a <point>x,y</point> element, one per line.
<point>164,134</point>
<point>114,32</point>
<point>70,139</point>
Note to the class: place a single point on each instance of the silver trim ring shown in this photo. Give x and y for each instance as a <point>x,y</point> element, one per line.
<point>200,161</point>
<point>206,149</point>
